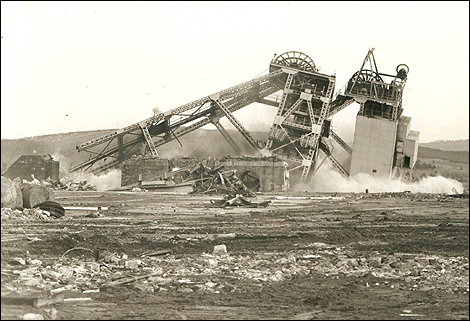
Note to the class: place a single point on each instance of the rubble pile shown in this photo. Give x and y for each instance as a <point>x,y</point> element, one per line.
<point>222,271</point>
<point>210,181</point>
<point>420,197</point>
<point>27,214</point>
<point>73,186</point>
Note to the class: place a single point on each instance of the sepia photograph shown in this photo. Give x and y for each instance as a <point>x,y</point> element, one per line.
<point>234,160</point>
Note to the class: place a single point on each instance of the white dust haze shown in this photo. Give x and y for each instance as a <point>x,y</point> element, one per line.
<point>102,182</point>
<point>327,179</point>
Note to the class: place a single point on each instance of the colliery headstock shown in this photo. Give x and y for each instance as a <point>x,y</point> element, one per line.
<point>303,95</point>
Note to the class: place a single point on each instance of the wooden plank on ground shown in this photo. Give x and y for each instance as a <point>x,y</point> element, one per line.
<point>32,300</point>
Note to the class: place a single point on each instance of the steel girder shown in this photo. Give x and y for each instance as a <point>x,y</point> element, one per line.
<point>164,127</point>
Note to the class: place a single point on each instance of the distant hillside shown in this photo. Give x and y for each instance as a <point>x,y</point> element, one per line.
<point>454,157</point>
<point>448,145</point>
<point>48,144</point>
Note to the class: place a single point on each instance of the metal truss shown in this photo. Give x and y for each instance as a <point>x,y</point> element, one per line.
<point>165,127</point>
<point>301,113</point>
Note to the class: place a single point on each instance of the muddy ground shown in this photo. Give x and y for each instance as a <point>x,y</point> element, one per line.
<point>350,256</point>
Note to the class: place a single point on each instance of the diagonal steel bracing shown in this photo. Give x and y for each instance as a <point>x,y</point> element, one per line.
<point>341,142</point>
<point>235,122</point>
<point>226,135</point>
<point>183,121</point>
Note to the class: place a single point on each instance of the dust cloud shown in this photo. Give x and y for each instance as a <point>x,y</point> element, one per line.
<point>102,182</point>
<point>327,179</point>
<point>63,163</point>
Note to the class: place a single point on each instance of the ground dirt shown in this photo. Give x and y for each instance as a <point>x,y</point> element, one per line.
<point>350,256</point>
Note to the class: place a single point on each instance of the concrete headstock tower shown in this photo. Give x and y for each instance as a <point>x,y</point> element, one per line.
<point>383,144</point>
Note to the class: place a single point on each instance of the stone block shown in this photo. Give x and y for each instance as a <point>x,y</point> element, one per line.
<point>220,250</point>
<point>132,264</point>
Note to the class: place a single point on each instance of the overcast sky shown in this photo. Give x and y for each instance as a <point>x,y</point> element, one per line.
<point>74,66</point>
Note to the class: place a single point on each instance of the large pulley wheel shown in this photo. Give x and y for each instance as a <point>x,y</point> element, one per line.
<point>367,76</point>
<point>402,71</point>
<point>295,59</point>
<point>403,67</point>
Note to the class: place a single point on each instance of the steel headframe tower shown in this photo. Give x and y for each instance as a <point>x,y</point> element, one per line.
<point>295,136</point>
<point>379,94</point>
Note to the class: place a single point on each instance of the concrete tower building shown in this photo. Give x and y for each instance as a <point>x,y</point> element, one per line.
<point>384,145</point>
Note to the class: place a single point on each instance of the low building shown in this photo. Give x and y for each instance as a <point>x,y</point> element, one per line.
<point>264,174</point>
<point>43,167</point>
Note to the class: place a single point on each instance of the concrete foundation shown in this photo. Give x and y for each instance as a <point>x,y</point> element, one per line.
<point>271,171</point>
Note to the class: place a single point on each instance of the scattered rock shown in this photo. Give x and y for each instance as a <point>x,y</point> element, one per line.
<point>17,261</point>
<point>132,264</point>
<point>33,316</point>
<point>376,262</point>
<point>220,250</point>
<point>30,261</point>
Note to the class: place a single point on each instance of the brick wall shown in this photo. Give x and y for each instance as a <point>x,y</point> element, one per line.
<point>270,171</point>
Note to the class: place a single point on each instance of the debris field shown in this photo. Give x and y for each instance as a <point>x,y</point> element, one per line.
<point>145,255</point>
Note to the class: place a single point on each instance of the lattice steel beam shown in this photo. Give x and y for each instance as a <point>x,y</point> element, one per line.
<point>226,135</point>
<point>148,139</point>
<point>234,121</point>
<point>224,94</point>
<point>341,142</point>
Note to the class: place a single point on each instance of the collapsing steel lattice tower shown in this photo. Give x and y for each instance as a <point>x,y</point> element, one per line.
<point>300,121</point>
<point>300,129</point>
